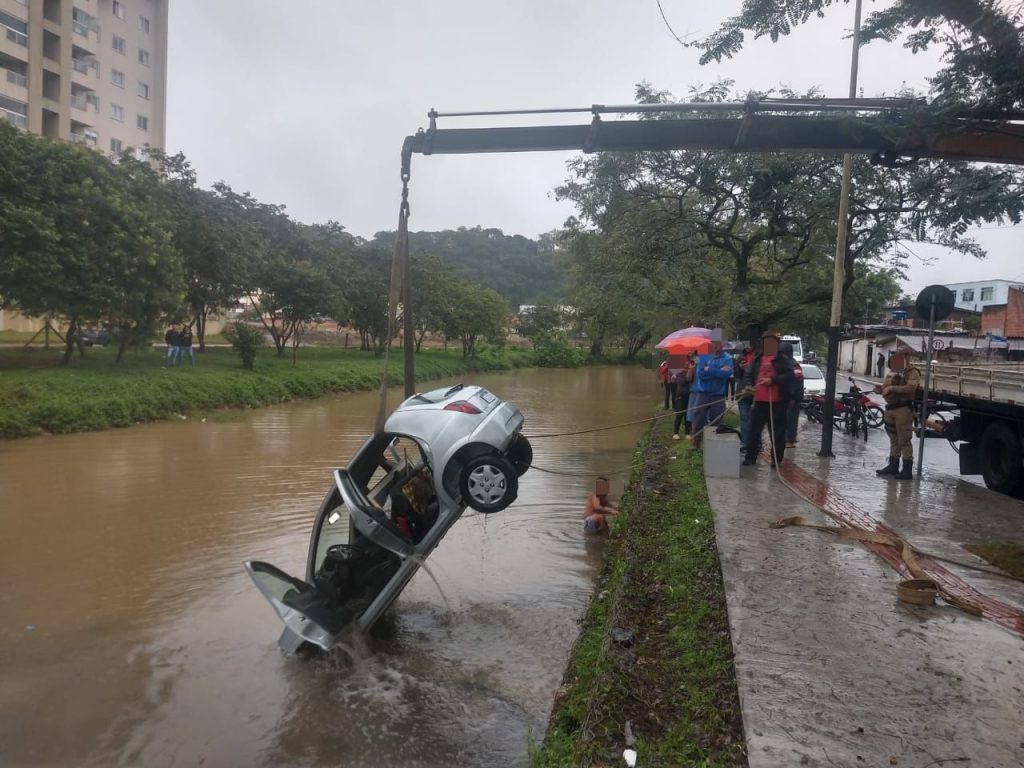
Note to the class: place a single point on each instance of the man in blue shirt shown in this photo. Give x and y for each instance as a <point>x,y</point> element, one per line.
<point>711,383</point>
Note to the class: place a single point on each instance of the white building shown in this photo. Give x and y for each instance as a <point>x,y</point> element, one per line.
<point>979,294</point>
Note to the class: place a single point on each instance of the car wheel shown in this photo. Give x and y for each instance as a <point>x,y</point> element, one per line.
<point>520,453</point>
<point>489,483</point>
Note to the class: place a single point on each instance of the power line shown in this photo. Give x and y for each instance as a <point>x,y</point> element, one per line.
<point>669,26</point>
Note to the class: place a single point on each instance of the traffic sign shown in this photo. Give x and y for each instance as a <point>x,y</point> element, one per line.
<point>938,344</point>
<point>938,296</point>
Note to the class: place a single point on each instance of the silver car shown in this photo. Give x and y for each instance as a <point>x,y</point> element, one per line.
<point>390,506</point>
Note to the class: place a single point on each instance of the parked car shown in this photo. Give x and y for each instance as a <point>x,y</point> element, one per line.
<point>99,337</point>
<point>390,506</point>
<point>814,380</point>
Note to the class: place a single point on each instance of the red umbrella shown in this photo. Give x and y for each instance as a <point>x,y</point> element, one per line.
<point>683,344</point>
<point>684,333</point>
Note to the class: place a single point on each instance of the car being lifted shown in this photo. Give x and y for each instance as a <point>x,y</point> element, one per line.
<point>390,506</point>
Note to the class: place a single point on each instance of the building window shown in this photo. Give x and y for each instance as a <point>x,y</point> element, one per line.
<point>116,146</point>
<point>142,122</point>
<point>117,112</point>
<point>117,77</point>
<point>143,90</point>
<point>143,57</point>
<point>119,9</point>
<point>986,294</point>
<point>117,43</point>
<point>144,24</point>
<point>16,29</point>
<point>968,294</point>
<point>954,296</point>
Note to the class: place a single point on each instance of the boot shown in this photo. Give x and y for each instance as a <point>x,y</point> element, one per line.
<point>892,468</point>
<point>907,473</point>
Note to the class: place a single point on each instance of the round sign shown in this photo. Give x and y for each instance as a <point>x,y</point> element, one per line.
<point>938,344</point>
<point>937,297</point>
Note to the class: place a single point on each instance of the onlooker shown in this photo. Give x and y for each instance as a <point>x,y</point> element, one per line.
<point>663,375</point>
<point>185,343</point>
<point>598,508</point>
<point>681,398</point>
<point>771,376</point>
<point>880,364</point>
<point>171,340</point>
<point>746,394</point>
<point>711,381</point>
<point>796,396</point>
<point>691,399</point>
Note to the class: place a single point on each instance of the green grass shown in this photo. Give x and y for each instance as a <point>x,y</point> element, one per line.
<point>37,395</point>
<point>1007,555</point>
<point>662,581</point>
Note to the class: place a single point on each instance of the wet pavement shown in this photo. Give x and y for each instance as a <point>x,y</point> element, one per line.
<point>832,669</point>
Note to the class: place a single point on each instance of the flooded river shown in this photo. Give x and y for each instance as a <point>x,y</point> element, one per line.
<point>130,635</point>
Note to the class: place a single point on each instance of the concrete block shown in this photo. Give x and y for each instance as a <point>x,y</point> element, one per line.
<point>721,455</point>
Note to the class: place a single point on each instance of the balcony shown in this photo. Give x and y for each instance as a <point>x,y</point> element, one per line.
<point>16,79</point>
<point>86,138</point>
<point>13,117</point>
<point>80,65</point>
<point>16,37</point>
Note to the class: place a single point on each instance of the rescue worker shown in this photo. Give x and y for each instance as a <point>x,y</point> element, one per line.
<point>899,390</point>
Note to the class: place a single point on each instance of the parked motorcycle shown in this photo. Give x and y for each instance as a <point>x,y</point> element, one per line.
<point>874,414</point>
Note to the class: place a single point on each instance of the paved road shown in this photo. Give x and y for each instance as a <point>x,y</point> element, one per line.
<point>833,670</point>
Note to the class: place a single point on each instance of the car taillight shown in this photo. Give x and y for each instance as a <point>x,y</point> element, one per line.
<point>462,406</point>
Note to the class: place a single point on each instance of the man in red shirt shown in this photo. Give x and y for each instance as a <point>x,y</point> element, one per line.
<point>771,377</point>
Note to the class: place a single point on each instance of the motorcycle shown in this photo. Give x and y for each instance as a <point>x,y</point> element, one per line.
<point>874,415</point>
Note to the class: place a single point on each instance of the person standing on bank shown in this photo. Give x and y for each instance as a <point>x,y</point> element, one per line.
<point>185,344</point>
<point>880,364</point>
<point>711,381</point>
<point>899,389</point>
<point>664,375</point>
<point>771,377</point>
<point>744,397</point>
<point>681,398</point>
<point>171,340</point>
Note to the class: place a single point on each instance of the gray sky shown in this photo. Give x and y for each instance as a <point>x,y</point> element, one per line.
<point>306,102</point>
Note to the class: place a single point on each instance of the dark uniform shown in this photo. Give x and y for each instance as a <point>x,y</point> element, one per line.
<point>898,390</point>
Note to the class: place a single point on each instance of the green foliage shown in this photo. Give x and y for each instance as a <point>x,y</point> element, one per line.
<point>523,271</point>
<point>538,319</point>
<point>37,395</point>
<point>552,349</point>
<point>473,313</point>
<point>246,341</point>
<point>983,69</point>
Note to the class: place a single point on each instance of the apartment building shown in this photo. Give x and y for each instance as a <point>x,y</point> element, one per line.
<point>89,71</point>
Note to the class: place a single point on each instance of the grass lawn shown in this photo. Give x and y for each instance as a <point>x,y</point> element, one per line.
<point>654,647</point>
<point>37,395</point>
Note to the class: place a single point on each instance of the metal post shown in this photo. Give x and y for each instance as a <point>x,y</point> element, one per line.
<point>927,385</point>
<point>840,267</point>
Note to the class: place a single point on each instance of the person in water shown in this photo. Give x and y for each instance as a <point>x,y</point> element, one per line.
<point>598,508</point>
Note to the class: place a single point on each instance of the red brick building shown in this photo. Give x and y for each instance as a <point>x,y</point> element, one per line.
<point>1005,319</point>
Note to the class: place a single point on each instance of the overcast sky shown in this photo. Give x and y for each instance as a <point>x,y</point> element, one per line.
<point>306,102</point>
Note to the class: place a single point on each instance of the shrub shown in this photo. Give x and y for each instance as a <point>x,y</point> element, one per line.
<point>246,340</point>
<point>551,349</point>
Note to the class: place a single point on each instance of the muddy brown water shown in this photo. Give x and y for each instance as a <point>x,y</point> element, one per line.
<point>130,636</point>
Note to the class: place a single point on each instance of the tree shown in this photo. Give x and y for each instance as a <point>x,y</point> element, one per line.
<point>475,313</point>
<point>83,238</point>
<point>983,43</point>
<point>539,318</point>
<point>368,288</point>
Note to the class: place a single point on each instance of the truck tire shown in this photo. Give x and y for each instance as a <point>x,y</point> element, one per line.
<point>1001,457</point>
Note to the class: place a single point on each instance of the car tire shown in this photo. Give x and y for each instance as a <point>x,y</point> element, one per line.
<point>489,483</point>
<point>1000,452</point>
<point>520,453</point>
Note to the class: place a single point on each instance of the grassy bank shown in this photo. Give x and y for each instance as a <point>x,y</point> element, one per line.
<point>38,396</point>
<point>654,647</point>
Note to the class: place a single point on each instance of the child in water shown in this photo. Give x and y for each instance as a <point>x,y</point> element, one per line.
<point>595,515</point>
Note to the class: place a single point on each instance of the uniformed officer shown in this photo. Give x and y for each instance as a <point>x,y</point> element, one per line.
<point>899,390</point>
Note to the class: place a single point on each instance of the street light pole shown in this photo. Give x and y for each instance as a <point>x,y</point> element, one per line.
<point>840,268</point>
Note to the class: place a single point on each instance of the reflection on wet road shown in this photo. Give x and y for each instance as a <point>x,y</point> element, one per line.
<point>131,635</point>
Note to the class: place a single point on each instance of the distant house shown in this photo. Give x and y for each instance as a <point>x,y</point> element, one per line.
<point>1006,319</point>
<point>979,294</point>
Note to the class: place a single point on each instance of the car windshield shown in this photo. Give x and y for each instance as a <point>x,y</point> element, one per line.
<point>812,372</point>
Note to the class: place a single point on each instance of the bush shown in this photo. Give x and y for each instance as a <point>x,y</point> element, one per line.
<point>246,340</point>
<point>551,349</point>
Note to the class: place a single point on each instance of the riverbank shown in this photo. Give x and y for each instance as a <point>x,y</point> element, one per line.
<point>654,647</point>
<point>38,396</point>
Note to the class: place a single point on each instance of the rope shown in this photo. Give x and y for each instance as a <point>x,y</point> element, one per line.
<point>623,424</point>
<point>907,552</point>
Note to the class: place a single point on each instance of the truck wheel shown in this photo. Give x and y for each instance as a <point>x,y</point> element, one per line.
<point>1001,456</point>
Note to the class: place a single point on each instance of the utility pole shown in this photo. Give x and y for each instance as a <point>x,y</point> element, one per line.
<point>838,277</point>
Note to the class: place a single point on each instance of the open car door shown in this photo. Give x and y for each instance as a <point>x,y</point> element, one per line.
<point>306,614</point>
